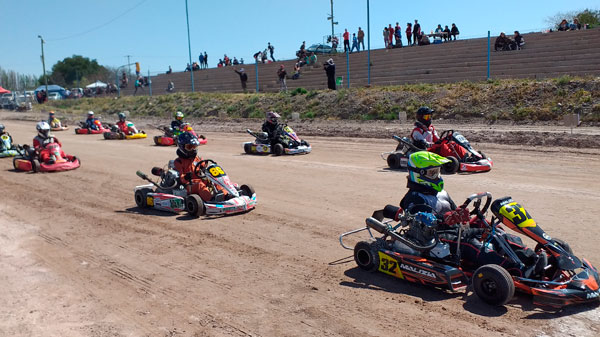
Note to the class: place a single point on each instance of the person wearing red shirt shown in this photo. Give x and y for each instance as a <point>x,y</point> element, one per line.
<point>346,41</point>
<point>409,33</point>
<point>124,126</point>
<point>41,141</point>
<point>390,36</point>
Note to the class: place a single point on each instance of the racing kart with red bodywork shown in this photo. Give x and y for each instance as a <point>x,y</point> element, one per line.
<point>475,161</point>
<point>29,160</point>
<point>415,249</point>
<point>171,196</point>
<point>84,130</point>
<point>170,136</point>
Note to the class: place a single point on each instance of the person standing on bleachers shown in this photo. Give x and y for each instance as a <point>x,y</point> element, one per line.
<point>361,38</point>
<point>271,50</point>
<point>390,36</point>
<point>416,32</point>
<point>408,33</point>
<point>354,43</point>
<point>205,61</point>
<point>243,78</point>
<point>346,41</point>
<point>330,71</point>
<point>398,35</point>
<point>281,74</point>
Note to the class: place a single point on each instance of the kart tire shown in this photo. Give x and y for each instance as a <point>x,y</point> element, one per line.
<point>562,243</point>
<point>451,167</point>
<point>393,160</point>
<point>141,196</point>
<point>247,190</point>
<point>35,165</point>
<point>493,284</point>
<point>194,205</point>
<point>248,148</point>
<point>366,256</point>
<point>278,149</point>
<point>156,140</point>
<point>305,143</point>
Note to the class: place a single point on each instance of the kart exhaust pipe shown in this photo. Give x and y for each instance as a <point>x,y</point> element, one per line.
<point>386,230</point>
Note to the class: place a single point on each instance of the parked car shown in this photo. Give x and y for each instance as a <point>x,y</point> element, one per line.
<point>320,49</point>
<point>7,101</point>
<point>54,96</point>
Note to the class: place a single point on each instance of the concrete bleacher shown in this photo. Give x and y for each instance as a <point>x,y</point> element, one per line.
<point>544,55</point>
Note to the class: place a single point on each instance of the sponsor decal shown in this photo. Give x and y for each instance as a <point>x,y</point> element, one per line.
<point>416,270</point>
<point>150,201</point>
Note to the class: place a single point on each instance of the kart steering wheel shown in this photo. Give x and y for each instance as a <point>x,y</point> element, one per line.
<point>447,134</point>
<point>477,209</point>
<point>198,167</point>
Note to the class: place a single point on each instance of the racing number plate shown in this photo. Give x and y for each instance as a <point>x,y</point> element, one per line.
<point>216,171</point>
<point>517,215</point>
<point>389,265</point>
<point>150,201</point>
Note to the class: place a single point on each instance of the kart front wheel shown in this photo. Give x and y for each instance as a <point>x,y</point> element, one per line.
<point>493,284</point>
<point>393,161</point>
<point>141,197</point>
<point>194,205</point>
<point>366,256</point>
<point>248,148</point>
<point>156,142</point>
<point>278,149</point>
<point>35,165</point>
<point>451,167</point>
<point>247,190</point>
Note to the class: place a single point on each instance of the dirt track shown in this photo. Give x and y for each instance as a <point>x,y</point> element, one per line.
<point>79,259</point>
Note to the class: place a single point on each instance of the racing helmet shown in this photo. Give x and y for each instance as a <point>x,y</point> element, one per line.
<point>424,115</point>
<point>188,143</point>
<point>43,129</point>
<point>272,117</point>
<point>178,115</point>
<point>51,113</point>
<point>90,114</point>
<point>424,169</point>
<point>122,116</point>
<point>1,128</point>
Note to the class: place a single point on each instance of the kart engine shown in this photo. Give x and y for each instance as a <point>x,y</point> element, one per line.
<point>421,228</point>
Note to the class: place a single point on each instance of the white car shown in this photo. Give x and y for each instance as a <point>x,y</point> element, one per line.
<point>54,96</point>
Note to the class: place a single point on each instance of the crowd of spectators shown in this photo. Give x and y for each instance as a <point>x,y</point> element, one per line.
<point>564,25</point>
<point>504,42</point>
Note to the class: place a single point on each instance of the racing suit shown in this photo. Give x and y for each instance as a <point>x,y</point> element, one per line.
<point>272,130</point>
<point>54,122</point>
<point>10,139</point>
<point>176,127</point>
<point>92,124</point>
<point>427,135</point>
<point>39,144</point>
<point>122,125</point>
<point>194,184</point>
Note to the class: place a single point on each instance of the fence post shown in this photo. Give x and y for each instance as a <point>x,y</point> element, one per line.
<point>256,71</point>
<point>149,82</point>
<point>347,70</point>
<point>488,56</point>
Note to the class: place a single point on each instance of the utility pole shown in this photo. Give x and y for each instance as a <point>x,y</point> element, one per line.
<point>187,18</point>
<point>129,65</point>
<point>44,64</point>
<point>332,21</point>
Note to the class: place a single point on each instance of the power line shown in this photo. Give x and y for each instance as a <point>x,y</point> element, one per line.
<point>102,25</point>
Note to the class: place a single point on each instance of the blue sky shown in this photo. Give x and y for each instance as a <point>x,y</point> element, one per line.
<point>154,31</point>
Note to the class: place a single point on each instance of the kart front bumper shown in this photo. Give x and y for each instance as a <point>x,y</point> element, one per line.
<point>235,205</point>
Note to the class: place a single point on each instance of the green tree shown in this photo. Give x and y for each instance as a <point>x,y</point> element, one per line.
<point>69,70</point>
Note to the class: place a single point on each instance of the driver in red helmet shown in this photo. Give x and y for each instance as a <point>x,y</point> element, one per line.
<point>187,159</point>
<point>424,136</point>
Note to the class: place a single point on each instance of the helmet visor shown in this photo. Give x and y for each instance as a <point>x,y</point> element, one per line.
<point>426,117</point>
<point>190,147</point>
<point>432,173</point>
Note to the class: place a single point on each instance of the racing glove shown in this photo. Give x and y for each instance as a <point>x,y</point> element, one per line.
<point>188,176</point>
<point>457,216</point>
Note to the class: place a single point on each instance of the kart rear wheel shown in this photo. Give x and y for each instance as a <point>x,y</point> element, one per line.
<point>141,197</point>
<point>493,284</point>
<point>156,140</point>
<point>35,165</point>
<point>278,149</point>
<point>366,256</point>
<point>194,205</point>
<point>451,167</point>
<point>393,160</point>
<point>15,163</point>
<point>248,148</point>
<point>247,190</point>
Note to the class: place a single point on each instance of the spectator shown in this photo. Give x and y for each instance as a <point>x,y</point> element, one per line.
<point>170,86</point>
<point>330,71</point>
<point>312,59</point>
<point>334,43</point>
<point>398,35</point>
<point>205,61</point>
<point>438,34</point>
<point>281,73</point>
<point>296,71</point>
<point>124,80</point>
<point>346,41</point>
<point>258,56</point>
<point>563,25</point>
<point>454,31</point>
<point>303,46</point>
<point>169,71</point>
<point>416,32</point>
<point>264,56</point>
<point>519,40</point>
<point>361,38</point>
<point>575,25</point>
<point>354,43</point>
<point>201,59</point>
<point>271,50</point>
<point>220,64</point>
<point>386,36</point>
<point>243,78</point>
<point>188,67</point>
<point>446,33</point>
<point>390,36</point>
<point>241,60</point>
<point>225,60</point>
<point>502,42</point>
<point>409,33</point>
<point>235,61</point>
<point>424,40</point>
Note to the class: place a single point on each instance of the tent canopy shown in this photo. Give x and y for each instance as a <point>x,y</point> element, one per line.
<point>97,84</point>
<point>4,91</point>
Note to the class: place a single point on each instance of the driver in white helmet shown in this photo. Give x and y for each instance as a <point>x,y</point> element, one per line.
<point>42,139</point>
<point>92,122</point>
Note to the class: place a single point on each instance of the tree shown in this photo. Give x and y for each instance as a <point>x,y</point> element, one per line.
<point>71,69</point>
<point>11,80</point>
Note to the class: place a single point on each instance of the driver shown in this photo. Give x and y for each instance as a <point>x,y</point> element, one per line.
<point>91,122</point>
<point>124,126</point>
<point>426,187</point>
<point>4,132</point>
<point>176,124</point>
<point>271,126</point>
<point>53,121</point>
<point>425,137</point>
<point>187,159</point>
<point>44,138</point>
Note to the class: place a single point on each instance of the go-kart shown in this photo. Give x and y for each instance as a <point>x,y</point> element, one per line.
<point>287,143</point>
<point>29,160</point>
<point>171,196</point>
<point>84,130</point>
<point>416,249</point>
<point>115,133</point>
<point>7,148</point>
<point>61,127</point>
<point>170,136</point>
<point>475,161</point>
